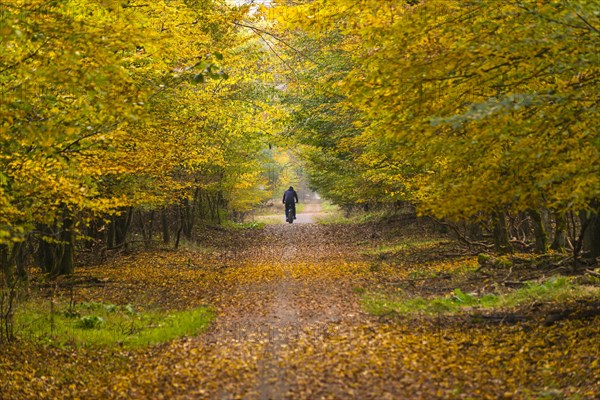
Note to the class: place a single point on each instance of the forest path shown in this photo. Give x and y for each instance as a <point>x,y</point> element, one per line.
<point>310,213</point>
<point>295,304</point>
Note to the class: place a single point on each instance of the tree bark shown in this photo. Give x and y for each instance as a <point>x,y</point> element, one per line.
<point>56,249</point>
<point>111,235</point>
<point>151,227</point>
<point>591,237</point>
<point>165,227</point>
<point>122,224</point>
<point>67,238</point>
<point>501,240</point>
<point>4,263</point>
<point>48,252</point>
<point>539,230</point>
<point>559,242</point>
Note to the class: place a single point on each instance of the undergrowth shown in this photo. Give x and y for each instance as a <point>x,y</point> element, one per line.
<point>555,289</point>
<point>244,225</point>
<point>387,250</point>
<point>99,324</point>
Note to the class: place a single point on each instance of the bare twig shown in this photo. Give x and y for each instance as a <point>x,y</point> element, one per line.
<point>260,32</point>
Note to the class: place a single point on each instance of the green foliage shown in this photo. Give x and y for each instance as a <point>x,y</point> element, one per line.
<point>90,322</point>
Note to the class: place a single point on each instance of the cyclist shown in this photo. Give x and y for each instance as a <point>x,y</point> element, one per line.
<point>290,198</point>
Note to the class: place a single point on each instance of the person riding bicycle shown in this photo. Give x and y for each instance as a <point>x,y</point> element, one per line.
<point>290,198</point>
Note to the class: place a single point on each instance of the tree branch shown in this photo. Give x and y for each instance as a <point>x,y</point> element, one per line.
<point>262,31</point>
<point>26,58</point>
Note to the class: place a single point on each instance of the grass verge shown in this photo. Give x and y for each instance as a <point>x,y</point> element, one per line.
<point>244,225</point>
<point>389,250</point>
<point>336,215</point>
<point>99,324</point>
<point>555,289</point>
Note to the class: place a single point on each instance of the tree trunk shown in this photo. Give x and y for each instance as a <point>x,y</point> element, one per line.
<point>187,219</point>
<point>110,235</point>
<point>151,227</point>
<point>67,238</point>
<point>55,254</point>
<point>181,225</point>
<point>19,259</point>
<point>122,223</point>
<point>142,226</point>
<point>560,233</point>
<point>4,263</point>
<point>48,252</point>
<point>591,237</point>
<point>501,240</point>
<point>165,227</point>
<point>539,230</point>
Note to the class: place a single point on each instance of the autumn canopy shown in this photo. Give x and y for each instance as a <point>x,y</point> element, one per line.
<point>469,110</point>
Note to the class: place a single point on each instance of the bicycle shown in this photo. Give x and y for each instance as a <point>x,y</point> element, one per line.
<point>290,212</point>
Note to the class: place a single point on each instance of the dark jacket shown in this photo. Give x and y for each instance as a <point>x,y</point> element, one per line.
<point>289,196</point>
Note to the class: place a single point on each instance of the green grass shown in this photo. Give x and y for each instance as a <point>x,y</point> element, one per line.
<point>327,207</point>
<point>244,225</point>
<point>335,215</point>
<point>552,290</point>
<point>406,245</point>
<point>99,324</point>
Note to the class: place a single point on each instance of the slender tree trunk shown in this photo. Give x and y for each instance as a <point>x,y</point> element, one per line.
<point>539,230</point>
<point>201,206</point>
<point>20,261</point>
<point>591,237</point>
<point>210,207</point>
<point>5,264</point>
<point>122,224</point>
<point>67,238</point>
<point>151,227</point>
<point>8,294</point>
<point>181,225</point>
<point>142,226</point>
<point>501,240</point>
<point>560,233</point>
<point>111,235</point>
<point>47,255</point>
<point>165,227</point>
<point>187,218</point>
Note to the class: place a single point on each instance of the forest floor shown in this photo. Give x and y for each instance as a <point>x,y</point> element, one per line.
<point>307,311</point>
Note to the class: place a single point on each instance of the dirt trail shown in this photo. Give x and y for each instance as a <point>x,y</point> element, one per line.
<point>298,308</point>
<point>309,214</point>
<point>281,311</point>
<point>283,320</point>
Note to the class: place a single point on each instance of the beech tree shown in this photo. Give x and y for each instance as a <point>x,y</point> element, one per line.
<point>109,107</point>
<point>472,109</point>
